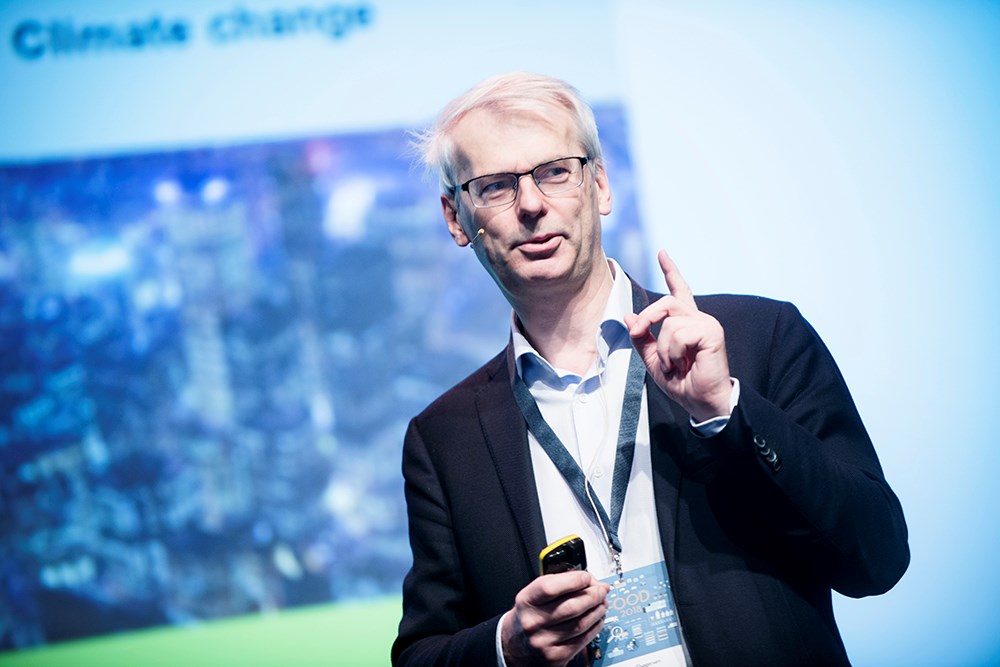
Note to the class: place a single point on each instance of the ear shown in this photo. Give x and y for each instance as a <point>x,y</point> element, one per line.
<point>603,191</point>
<point>454,225</point>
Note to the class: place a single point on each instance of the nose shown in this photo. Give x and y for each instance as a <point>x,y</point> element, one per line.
<point>529,199</point>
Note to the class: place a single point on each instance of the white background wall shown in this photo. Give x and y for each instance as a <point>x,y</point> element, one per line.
<point>845,156</point>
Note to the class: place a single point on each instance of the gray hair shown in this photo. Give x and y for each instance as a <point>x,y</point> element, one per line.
<point>511,94</point>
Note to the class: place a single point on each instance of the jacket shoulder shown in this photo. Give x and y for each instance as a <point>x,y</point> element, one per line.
<point>463,394</point>
<point>741,305</point>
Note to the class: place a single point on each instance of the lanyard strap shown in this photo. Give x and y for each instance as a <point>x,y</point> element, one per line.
<point>570,469</point>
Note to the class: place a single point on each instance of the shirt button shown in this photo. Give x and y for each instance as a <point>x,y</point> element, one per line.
<point>598,471</point>
<point>583,398</point>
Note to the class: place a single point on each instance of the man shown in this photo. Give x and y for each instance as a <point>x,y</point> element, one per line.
<point>719,475</point>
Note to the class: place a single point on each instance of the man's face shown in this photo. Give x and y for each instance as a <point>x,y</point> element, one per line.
<point>538,241</point>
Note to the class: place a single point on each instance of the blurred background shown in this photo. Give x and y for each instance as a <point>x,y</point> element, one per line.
<point>225,288</point>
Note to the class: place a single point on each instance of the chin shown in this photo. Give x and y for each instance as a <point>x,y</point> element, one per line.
<point>550,271</point>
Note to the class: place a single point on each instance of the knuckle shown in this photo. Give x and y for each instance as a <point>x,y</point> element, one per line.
<point>555,654</point>
<point>538,644</point>
<point>531,625</point>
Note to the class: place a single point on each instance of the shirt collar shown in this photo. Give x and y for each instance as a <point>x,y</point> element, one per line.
<point>612,334</point>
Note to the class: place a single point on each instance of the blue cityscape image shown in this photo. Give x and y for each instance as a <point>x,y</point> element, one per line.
<point>208,358</point>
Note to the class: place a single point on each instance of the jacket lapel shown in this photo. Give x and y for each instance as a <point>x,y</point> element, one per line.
<point>506,437</point>
<point>667,451</point>
<point>668,437</point>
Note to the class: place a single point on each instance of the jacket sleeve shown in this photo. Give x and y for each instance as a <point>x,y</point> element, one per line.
<point>798,462</point>
<point>437,627</point>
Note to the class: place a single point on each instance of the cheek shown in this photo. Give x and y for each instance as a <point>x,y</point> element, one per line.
<point>472,222</point>
<point>585,212</point>
<point>495,223</point>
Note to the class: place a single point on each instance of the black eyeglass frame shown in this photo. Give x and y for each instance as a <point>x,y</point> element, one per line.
<point>517,178</point>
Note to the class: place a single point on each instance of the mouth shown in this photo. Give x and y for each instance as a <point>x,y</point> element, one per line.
<point>541,245</point>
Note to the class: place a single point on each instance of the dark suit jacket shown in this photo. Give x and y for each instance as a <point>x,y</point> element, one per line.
<point>758,523</point>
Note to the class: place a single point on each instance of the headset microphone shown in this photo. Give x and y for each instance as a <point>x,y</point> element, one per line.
<point>472,243</point>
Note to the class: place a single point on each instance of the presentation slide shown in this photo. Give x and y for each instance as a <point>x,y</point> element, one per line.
<point>226,286</point>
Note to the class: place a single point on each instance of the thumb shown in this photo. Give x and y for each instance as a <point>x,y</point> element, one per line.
<point>644,342</point>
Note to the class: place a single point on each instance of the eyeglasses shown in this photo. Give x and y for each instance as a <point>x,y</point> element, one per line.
<point>551,178</point>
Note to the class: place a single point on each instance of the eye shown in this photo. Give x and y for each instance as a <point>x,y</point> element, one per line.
<point>552,173</point>
<point>490,187</point>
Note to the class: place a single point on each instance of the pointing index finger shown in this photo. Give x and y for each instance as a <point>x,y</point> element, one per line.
<point>675,281</point>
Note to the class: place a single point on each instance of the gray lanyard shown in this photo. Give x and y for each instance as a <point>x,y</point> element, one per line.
<point>569,468</point>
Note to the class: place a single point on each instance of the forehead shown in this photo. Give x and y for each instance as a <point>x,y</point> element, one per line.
<point>487,142</point>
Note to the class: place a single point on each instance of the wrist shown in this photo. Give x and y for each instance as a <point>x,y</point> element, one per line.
<point>719,405</point>
<point>509,650</point>
<point>501,657</point>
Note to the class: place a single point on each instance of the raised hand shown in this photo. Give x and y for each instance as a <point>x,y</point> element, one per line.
<point>554,618</point>
<point>688,358</point>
